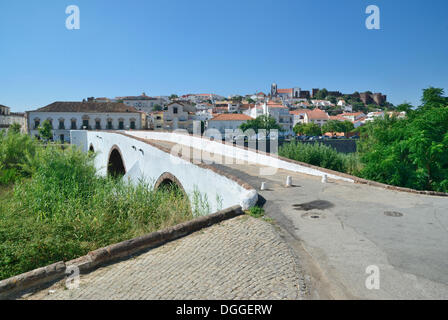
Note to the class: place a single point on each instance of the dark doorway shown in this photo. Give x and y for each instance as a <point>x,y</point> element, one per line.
<point>115,167</point>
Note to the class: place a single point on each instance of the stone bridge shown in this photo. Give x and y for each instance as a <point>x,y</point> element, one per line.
<point>344,231</point>
<point>163,157</point>
<point>136,159</point>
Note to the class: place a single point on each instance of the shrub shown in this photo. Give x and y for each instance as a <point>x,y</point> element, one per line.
<point>16,152</point>
<point>322,156</point>
<point>256,212</point>
<point>65,210</point>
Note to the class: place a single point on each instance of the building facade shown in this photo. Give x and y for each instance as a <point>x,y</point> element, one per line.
<point>229,121</point>
<point>66,116</point>
<point>7,118</point>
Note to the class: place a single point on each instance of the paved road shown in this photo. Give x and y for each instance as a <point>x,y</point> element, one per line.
<point>241,258</point>
<point>339,229</point>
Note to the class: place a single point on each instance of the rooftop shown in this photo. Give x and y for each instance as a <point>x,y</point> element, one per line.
<point>231,117</point>
<point>103,107</point>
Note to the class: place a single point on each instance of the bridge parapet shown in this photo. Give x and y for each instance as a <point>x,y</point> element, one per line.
<point>227,150</point>
<point>143,160</point>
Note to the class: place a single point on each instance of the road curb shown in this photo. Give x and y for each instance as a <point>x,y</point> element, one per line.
<point>27,281</point>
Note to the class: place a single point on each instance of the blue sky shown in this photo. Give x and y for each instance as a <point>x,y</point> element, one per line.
<point>224,47</point>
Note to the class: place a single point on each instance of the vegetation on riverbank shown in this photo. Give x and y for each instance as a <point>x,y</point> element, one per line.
<point>322,156</point>
<point>410,152</point>
<point>58,209</point>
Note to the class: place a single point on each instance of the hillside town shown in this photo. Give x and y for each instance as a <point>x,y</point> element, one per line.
<point>289,107</point>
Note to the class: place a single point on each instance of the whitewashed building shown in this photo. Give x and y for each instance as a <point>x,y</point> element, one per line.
<point>7,118</point>
<point>86,115</point>
<point>230,121</point>
<point>142,102</point>
<point>179,115</point>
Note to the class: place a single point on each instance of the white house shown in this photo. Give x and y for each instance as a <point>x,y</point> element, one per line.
<point>86,115</point>
<point>304,116</point>
<point>179,115</point>
<point>7,118</point>
<point>353,116</point>
<point>142,102</point>
<point>225,121</point>
<point>276,110</point>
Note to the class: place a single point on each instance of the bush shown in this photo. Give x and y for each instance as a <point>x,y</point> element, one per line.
<point>321,156</point>
<point>64,211</point>
<point>16,152</point>
<point>256,212</point>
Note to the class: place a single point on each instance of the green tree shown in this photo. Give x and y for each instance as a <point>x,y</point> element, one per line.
<point>15,128</point>
<point>173,96</point>
<point>265,122</point>
<point>347,126</point>
<point>237,99</point>
<point>332,126</point>
<point>157,108</point>
<point>410,152</point>
<point>308,129</point>
<point>321,94</point>
<point>45,130</point>
<point>407,107</point>
<point>433,97</point>
<point>332,99</point>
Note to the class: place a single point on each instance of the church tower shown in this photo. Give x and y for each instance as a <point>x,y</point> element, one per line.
<point>273,90</point>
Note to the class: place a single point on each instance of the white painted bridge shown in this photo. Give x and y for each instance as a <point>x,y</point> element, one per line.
<point>135,155</point>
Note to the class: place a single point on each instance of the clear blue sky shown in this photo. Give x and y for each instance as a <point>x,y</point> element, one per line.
<point>224,47</point>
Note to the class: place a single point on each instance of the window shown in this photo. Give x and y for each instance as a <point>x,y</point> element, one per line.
<point>121,124</point>
<point>61,125</point>
<point>85,124</point>
<point>158,118</point>
<point>109,124</point>
<point>73,125</point>
<point>132,124</point>
<point>36,124</point>
<point>98,125</point>
<point>175,110</point>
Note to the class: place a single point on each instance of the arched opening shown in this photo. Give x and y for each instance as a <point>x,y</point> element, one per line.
<point>115,166</point>
<point>171,187</point>
<point>169,182</point>
<point>91,149</point>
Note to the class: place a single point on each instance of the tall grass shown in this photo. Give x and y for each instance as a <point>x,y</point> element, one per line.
<point>63,210</point>
<point>322,156</point>
<point>16,151</point>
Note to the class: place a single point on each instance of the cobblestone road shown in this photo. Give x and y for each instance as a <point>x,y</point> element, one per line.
<point>241,258</point>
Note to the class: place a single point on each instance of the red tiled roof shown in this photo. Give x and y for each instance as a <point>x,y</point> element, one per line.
<point>102,107</point>
<point>352,114</point>
<point>338,118</point>
<point>298,112</point>
<point>272,104</point>
<point>317,114</point>
<point>231,117</point>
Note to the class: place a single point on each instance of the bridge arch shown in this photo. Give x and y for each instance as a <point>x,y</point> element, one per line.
<point>115,164</point>
<point>91,148</point>
<point>168,179</point>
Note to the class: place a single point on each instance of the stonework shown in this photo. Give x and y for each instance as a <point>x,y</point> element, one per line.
<point>241,258</point>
